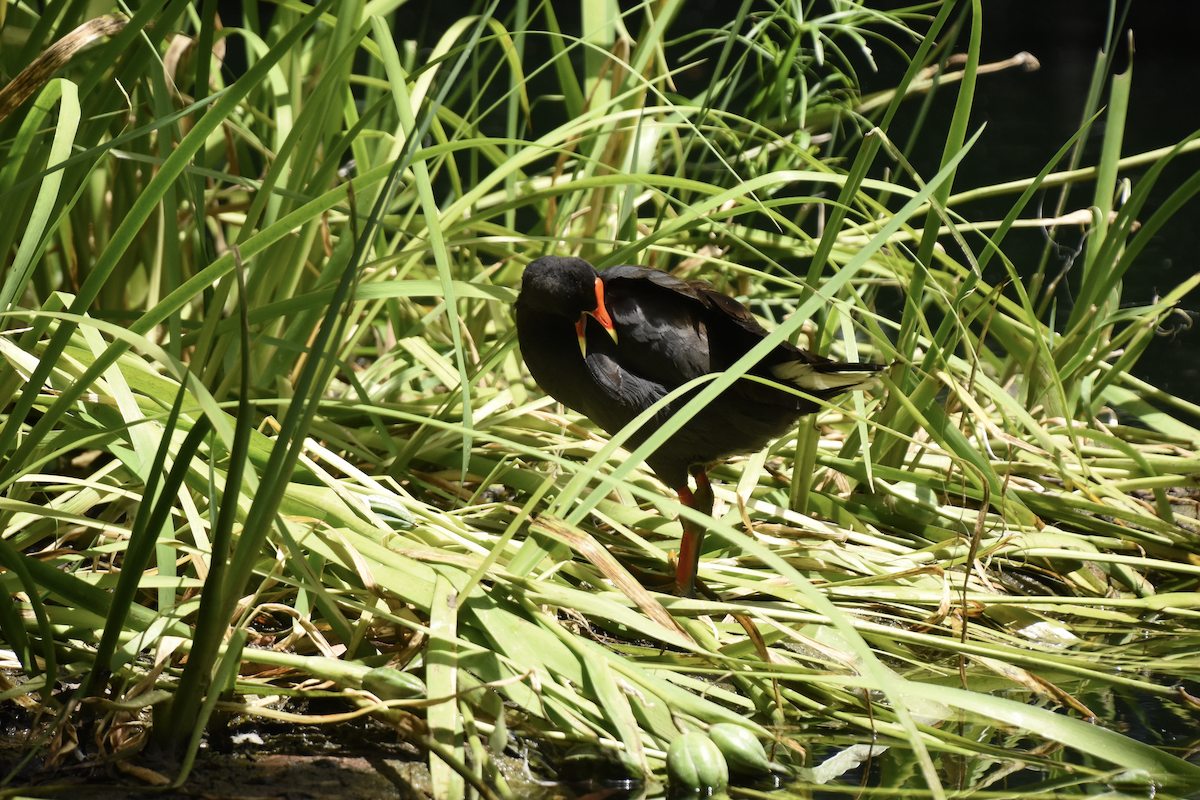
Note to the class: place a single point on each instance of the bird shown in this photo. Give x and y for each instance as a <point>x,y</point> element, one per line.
<point>610,344</point>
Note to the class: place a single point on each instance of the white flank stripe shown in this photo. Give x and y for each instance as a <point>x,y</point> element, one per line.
<point>804,376</point>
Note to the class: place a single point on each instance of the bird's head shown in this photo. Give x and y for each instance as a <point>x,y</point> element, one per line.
<point>567,287</point>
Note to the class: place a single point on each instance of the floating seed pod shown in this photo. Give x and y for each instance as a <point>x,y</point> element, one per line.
<point>695,765</point>
<point>743,752</point>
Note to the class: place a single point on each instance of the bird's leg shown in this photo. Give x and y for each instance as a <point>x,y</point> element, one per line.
<point>693,534</point>
<point>704,492</point>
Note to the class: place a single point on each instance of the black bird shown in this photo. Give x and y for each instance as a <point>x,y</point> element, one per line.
<point>611,344</point>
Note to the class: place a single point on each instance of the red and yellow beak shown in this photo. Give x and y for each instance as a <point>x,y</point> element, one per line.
<point>600,314</point>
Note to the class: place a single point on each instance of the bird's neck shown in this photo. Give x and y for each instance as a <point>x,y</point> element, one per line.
<point>551,350</point>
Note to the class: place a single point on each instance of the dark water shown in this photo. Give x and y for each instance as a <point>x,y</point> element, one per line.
<point>1029,115</point>
<point>1017,761</point>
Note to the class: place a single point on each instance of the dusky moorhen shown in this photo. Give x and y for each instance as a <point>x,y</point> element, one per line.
<point>612,343</point>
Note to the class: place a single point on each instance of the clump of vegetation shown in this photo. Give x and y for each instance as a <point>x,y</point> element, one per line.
<point>263,421</point>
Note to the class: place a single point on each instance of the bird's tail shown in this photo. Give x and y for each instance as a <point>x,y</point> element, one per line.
<point>829,377</point>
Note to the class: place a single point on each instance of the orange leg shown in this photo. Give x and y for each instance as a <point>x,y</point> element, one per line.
<point>693,534</point>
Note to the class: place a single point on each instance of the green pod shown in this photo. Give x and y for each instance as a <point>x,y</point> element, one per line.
<point>388,683</point>
<point>741,748</point>
<point>695,764</point>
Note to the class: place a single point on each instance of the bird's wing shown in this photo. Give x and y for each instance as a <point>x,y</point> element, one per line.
<point>660,323</point>
<point>671,331</point>
<point>621,395</point>
<point>657,277</point>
